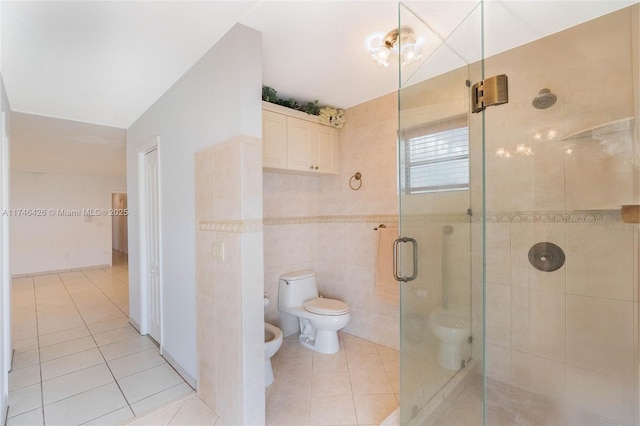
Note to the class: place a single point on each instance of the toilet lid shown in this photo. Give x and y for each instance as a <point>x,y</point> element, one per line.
<point>324,306</point>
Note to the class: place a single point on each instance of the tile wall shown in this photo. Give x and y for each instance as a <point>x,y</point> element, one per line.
<point>319,222</point>
<point>571,333</point>
<point>229,238</point>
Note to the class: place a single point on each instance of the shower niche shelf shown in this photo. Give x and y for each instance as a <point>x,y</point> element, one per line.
<point>600,131</point>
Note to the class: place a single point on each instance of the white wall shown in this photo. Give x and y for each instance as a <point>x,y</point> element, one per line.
<point>216,100</point>
<point>54,242</point>
<point>5,273</point>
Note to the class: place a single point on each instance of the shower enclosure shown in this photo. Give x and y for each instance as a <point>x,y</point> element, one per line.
<point>524,309</point>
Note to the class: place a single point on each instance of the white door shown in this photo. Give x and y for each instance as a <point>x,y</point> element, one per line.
<point>152,240</point>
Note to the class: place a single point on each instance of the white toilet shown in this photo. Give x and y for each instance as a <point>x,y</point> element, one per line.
<point>272,342</point>
<point>320,318</point>
<point>453,330</point>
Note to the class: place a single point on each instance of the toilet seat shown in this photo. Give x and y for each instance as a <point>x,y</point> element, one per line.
<point>324,306</point>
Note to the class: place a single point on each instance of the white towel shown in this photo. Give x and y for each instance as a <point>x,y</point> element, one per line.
<point>386,288</point>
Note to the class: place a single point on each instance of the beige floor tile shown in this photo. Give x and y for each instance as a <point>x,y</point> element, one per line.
<point>363,363</point>
<point>30,418</point>
<point>25,359</point>
<point>116,335</point>
<point>102,326</point>
<point>194,412</point>
<point>22,377</point>
<point>135,363</point>
<point>288,410</point>
<point>332,410</point>
<point>25,333</point>
<point>373,409</point>
<point>95,403</point>
<point>149,382</point>
<point>75,383</point>
<point>113,418</point>
<point>24,400</point>
<point>112,314</point>
<point>374,382</point>
<point>385,349</point>
<point>166,396</point>
<point>25,345</point>
<point>330,384</point>
<point>70,363</point>
<point>355,344</point>
<point>296,364</point>
<point>46,327</point>
<point>78,385</point>
<point>66,348</point>
<point>160,417</point>
<point>126,347</point>
<point>292,384</point>
<point>63,336</point>
<point>84,302</point>
<point>330,363</point>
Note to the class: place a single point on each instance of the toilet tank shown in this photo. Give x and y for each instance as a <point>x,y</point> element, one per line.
<point>295,288</point>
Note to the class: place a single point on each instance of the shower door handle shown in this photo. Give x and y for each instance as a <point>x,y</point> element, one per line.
<point>414,247</point>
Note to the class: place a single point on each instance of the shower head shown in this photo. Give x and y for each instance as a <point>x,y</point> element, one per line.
<point>544,100</point>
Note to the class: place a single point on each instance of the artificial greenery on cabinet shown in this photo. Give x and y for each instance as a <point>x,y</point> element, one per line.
<point>327,114</point>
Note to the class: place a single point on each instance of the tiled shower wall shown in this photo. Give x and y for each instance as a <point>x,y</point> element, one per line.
<point>319,222</point>
<point>571,333</point>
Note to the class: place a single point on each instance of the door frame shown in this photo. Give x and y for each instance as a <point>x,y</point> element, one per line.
<point>153,143</point>
<point>6,347</point>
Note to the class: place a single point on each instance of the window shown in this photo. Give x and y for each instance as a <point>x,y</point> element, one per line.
<point>437,157</point>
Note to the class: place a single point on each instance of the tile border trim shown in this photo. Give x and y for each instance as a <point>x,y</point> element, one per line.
<point>578,216</point>
<point>231,226</point>
<point>581,216</point>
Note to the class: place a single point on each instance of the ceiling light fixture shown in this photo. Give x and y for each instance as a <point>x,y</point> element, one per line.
<point>402,42</point>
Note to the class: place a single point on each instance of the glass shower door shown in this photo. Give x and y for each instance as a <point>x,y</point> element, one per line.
<point>439,348</point>
<point>530,251</point>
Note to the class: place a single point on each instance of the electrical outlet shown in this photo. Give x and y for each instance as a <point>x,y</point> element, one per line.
<point>218,251</point>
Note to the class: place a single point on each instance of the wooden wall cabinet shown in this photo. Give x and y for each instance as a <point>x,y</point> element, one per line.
<point>296,142</point>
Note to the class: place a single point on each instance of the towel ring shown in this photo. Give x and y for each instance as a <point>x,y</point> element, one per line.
<point>358,179</point>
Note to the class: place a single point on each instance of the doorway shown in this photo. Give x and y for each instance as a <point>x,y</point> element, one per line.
<point>119,230</point>
<point>150,273</point>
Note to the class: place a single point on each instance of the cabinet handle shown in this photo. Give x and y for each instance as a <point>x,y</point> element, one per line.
<point>316,167</point>
<point>311,167</point>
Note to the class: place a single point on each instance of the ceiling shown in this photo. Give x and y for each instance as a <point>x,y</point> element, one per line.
<point>106,62</point>
<point>54,146</point>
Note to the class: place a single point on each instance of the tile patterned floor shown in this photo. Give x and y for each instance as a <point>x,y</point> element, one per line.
<point>359,385</point>
<point>188,412</point>
<point>356,386</point>
<point>77,360</point>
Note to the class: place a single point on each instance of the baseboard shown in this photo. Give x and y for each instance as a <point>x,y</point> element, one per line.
<point>6,411</point>
<point>134,324</point>
<point>181,371</point>
<point>59,271</point>
<point>167,356</point>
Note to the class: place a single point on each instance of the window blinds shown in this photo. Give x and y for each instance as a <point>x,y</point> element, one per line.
<point>437,157</point>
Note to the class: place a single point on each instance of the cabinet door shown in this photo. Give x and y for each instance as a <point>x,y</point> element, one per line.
<point>327,150</point>
<point>301,145</point>
<point>274,140</point>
